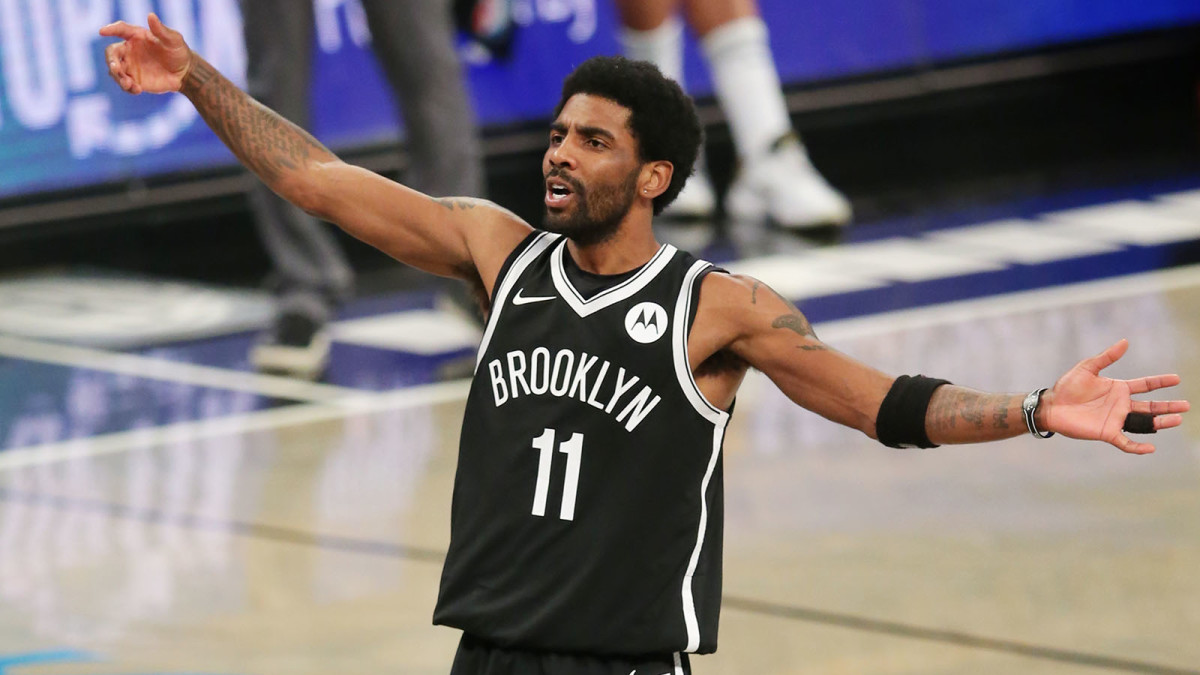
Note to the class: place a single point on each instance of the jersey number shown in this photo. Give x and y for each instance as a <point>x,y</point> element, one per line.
<point>573,449</point>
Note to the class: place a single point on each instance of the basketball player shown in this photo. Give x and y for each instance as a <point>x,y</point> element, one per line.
<point>586,524</point>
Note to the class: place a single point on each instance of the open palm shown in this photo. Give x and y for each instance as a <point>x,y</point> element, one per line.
<point>1088,406</point>
<point>153,60</point>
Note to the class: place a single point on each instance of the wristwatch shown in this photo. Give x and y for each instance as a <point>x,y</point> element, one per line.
<point>1029,406</point>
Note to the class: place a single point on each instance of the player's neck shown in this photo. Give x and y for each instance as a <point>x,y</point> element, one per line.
<point>629,248</point>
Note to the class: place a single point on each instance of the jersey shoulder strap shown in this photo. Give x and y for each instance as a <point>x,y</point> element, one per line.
<point>533,244</point>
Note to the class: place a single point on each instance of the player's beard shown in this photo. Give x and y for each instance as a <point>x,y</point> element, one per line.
<point>597,213</point>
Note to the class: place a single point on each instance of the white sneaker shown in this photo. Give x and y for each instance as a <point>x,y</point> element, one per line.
<point>696,201</point>
<point>296,346</point>
<point>785,187</point>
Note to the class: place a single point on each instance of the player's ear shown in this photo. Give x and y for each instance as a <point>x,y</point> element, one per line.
<point>655,178</point>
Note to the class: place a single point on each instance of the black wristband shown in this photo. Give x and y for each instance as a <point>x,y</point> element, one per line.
<point>901,419</point>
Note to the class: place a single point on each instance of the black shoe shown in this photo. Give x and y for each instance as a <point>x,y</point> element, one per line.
<point>296,346</point>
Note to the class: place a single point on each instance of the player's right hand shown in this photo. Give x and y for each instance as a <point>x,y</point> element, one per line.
<point>153,60</point>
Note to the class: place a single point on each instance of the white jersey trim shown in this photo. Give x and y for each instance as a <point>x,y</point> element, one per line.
<point>689,604</point>
<point>610,296</point>
<point>683,369</point>
<point>719,418</point>
<point>505,284</point>
<point>678,665</point>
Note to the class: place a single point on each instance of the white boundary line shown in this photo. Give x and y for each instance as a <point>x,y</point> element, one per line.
<point>124,441</point>
<point>354,402</point>
<point>1040,299</point>
<point>174,371</point>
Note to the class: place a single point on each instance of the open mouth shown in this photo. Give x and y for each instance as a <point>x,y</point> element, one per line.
<point>558,193</point>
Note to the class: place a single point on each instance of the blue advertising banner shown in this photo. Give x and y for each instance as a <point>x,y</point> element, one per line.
<point>64,124</point>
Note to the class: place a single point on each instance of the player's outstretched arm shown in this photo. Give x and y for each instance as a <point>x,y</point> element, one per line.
<point>769,333</point>
<point>451,237</point>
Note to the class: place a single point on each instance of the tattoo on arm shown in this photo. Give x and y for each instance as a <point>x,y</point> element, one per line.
<point>971,407</point>
<point>1000,418</point>
<point>265,142</point>
<point>457,203</point>
<point>796,323</point>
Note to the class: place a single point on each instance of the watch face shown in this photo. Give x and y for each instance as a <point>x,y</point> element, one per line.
<point>1032,399</point>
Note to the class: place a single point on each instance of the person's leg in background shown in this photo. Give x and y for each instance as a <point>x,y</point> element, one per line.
<point>651,30</point>
<point>311,274</point>
<point>414,41</point>
<point>775,178</point>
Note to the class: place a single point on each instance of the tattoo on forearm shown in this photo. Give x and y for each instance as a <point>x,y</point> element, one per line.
<point>972,407</point>
<point>796,323</point>
<point>813,348</point>
<point>199,76</point>
<point>972,412</point>
<point>265,142</point>
<point>1000,418</point>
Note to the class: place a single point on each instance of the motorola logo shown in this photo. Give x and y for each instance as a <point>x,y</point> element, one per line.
<point>646,322</point>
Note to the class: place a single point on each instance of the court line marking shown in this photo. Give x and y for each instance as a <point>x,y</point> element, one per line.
<point>263,420</point>
<point>1034,300</point>
<point>1072,233</point>
<point>895,629</point>
<point>21,659</point>
<point>356,401</point>
<point>174,371</point>
<point>283,535</point>
<point>392,550</point>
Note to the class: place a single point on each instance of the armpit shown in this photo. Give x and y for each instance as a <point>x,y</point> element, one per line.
<point>721,363</point>
<point>475,289</point>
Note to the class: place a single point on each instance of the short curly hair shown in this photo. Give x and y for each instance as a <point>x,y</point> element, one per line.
<point>662,117</point>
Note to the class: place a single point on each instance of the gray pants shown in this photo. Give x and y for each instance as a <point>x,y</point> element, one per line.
<point>414,41</point>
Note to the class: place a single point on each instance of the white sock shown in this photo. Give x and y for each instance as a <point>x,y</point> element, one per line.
<point>662,46</point>
<point>743,73</point>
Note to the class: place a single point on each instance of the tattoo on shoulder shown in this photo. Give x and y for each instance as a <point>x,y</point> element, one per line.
<point>754,295</point>
<point>796,323</point>
<point>457,203</point>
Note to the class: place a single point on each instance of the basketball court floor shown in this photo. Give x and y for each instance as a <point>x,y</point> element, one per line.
<point>164,510</point>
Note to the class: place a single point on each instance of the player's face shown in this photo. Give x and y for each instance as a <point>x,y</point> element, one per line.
<point>591,169</point>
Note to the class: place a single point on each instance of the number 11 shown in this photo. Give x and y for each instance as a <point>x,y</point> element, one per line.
<point>573,449</point>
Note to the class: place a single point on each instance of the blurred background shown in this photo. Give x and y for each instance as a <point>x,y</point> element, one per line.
<point>1024,178</point>
<point>906,106</point>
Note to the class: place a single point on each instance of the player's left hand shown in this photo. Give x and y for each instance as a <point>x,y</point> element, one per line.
<point>1085,405</point>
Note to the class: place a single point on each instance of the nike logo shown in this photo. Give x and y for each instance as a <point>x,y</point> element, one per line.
<point>519,300</point>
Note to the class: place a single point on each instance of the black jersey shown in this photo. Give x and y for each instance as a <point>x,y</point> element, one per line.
<point>587,506</point>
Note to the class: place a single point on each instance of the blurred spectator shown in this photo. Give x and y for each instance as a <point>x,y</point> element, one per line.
<point>414,41</point>
<point>775,178</point>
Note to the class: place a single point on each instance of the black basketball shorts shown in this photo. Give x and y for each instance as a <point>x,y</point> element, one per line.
<point>476,657</point>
